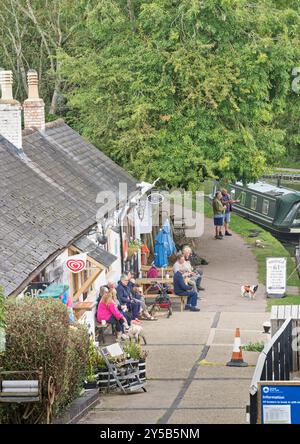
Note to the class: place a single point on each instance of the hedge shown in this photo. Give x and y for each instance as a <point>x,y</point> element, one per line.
<point>38,334</point>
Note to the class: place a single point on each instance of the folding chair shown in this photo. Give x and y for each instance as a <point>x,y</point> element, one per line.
<point>126,375</point>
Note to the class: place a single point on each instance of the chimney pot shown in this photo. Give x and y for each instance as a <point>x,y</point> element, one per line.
<point>6,80</point>
<point>33,84</point>
<point>34,107</point>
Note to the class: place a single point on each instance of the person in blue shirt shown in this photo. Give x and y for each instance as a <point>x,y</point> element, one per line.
<point>182,289</point>
<point>125,297</point>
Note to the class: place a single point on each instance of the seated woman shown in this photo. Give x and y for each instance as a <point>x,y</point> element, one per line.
<point>107,311</point>
<point>152,272</point>
<point>122,308</point>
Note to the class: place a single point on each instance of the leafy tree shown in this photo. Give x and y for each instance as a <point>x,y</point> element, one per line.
<point>185,89</point>
<point>31,34</point>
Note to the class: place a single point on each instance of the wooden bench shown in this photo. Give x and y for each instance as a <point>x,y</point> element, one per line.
<point>183,299</point>
<point>21,386</point>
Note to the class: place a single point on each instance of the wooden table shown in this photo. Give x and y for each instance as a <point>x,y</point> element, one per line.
<point>161,271</point>
<point>152,281</point>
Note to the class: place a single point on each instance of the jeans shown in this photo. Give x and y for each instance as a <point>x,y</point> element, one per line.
<point>118,323</point>
<point>196,281</point>
<point>192,298</point>
<point>134,308</point>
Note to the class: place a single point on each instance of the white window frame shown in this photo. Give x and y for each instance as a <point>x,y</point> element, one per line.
<point>253,199</point>
<point>265,202</point>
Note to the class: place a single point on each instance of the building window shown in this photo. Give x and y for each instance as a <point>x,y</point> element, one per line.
<point>253,203</point>
<point>243,198</point>
<point>265,207</point>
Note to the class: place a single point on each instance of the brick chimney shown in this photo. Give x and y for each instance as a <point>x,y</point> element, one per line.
<point>34,107</point>
<point>10,111</point>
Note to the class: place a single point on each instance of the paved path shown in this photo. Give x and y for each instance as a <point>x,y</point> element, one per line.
<point>188,380</point>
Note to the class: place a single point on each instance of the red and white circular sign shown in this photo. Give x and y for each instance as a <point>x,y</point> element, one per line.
<point>76,265</point>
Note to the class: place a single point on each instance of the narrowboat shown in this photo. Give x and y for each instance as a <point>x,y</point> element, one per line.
<point>275,208</point>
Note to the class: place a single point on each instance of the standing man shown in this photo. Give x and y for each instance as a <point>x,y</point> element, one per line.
<point>219,210</point>
<point>227,202</point>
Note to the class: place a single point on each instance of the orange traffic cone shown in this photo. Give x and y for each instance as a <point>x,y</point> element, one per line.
<point>237,354</point>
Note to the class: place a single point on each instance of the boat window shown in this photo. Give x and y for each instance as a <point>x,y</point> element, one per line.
<point>243,198</point>
<point>253,203</point>
<point>265,206</point>
<point>296,221</point>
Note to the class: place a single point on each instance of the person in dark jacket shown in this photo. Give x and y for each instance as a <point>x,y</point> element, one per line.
<point>182,289</point>
<point>125,298</point>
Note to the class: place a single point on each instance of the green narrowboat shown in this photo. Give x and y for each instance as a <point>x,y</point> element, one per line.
<point>274,208</point>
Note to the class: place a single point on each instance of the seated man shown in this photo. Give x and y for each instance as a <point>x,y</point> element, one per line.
<point>125,298</point>
<point>195,274</point>
<point>181,289</point>
<point>181,265</point>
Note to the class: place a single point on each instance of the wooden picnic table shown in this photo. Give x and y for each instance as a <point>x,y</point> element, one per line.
<point>161,271</point>
<point>165,269</point>
<point>153,281</point>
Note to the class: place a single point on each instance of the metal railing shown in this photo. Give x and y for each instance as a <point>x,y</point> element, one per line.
<point>275,363</point>
<point>288,177</point>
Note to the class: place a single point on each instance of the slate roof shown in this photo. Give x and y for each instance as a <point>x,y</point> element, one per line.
<point>95,252</point>
<point>48,197</point>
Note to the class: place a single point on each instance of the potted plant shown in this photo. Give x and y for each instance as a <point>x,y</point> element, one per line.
<point>105,379</point>
<point>134,351</point>
<point>91,377</point>
<point>133,247</point>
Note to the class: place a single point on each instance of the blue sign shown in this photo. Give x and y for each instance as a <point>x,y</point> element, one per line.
<point>280,403</point>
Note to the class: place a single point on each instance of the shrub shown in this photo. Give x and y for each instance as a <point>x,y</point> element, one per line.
<point>2,322</point>
<point>38,335</point>
<point>254,346</point>
<point>76,364</point>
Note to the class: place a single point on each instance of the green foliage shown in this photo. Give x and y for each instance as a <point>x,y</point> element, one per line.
<point>95,361</point>
<point>177,89</point>
<point>38,335</point>
<point>254,346</point>
<point>287,300</point>
<point>185,89</point>
<point>134,350</point>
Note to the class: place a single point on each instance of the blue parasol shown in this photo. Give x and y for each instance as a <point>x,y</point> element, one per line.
<point>164,246</point>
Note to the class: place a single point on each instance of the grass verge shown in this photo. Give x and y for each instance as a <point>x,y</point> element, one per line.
<point>288,300</point>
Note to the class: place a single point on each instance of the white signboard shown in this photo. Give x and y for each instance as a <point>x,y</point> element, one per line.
<point>276,276</point>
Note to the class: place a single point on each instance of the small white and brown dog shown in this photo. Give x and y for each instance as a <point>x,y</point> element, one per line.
<point>136,333</point>
<point>249,291</point>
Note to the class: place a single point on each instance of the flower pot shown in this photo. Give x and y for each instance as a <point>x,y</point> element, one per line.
<point>90,385</point>
<point>142,369</point>
<point>105,381</point>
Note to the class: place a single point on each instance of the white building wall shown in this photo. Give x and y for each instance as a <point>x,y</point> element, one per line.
<point>10,123</point>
